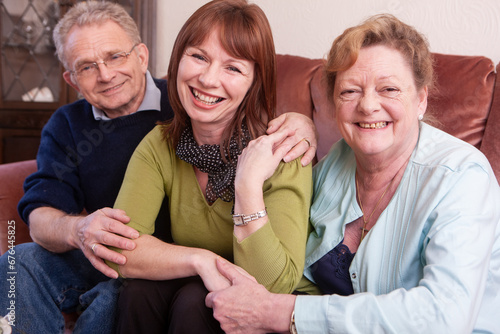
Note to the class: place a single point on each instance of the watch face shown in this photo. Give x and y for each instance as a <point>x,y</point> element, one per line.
<point>238,220</point>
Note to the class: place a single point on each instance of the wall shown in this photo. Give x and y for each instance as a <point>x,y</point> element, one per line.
<point>307,28</point>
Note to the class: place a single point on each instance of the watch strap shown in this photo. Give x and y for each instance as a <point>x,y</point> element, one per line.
<point>241,219</point>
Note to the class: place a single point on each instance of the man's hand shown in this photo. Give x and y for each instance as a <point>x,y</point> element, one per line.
<point>206,268</point>
<point>304,140</point>
<point>246,306</point>
<point>104,227</point>
<point>59,232</point>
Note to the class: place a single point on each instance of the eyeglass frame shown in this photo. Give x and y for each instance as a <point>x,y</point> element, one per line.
<point>95,64</point>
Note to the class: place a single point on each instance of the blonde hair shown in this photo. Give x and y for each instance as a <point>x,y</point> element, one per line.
<point>383,29</point>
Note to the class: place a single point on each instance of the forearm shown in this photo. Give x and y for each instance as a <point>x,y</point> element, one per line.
<point>154,259</point>
<point>277,313</point>
<point>249,199</point>
<point>53,229</point>
<point>274,254</point>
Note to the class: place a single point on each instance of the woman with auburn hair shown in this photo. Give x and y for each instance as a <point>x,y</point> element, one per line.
<point>222,88</point>
<point>406,233</point>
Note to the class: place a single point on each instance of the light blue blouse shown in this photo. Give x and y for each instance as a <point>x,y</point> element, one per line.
<point>431,264</point>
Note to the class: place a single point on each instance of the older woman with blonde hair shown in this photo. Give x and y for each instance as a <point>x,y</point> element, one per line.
<point>405,216</point>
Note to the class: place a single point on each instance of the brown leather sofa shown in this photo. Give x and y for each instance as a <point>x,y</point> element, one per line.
<point>466,104</point>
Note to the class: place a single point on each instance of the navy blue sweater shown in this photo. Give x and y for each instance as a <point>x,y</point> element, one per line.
<point>82,161</point>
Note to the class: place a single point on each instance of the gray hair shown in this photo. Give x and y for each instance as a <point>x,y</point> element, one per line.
<point>88,13</point>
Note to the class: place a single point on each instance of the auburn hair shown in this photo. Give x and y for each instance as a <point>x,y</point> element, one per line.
<point>244,33</point>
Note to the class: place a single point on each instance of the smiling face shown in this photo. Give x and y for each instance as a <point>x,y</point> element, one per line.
<point>377,104</point>
<point>117,91</point>
<point>211,85</point>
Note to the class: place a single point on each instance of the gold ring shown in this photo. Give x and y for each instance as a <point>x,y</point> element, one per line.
<point>93,248</point>
<point>307,141</point>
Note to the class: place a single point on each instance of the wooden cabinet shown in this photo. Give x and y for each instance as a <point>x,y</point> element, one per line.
<point>32,87</point>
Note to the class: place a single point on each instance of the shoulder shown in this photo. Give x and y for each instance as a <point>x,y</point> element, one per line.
<point>339,160</point>
<point>76,109</point>
<point>291,175</point>
<point>155,143</point>
<point>156,136</point>
<point>438,149</point>
<point>70,115</point>
<point>293,169</point>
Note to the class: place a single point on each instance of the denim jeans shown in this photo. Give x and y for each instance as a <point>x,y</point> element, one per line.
<point>41,285</point>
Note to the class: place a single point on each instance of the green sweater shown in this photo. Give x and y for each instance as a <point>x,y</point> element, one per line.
<point>274,254</point>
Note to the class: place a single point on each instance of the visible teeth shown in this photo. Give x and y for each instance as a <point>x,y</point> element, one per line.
<point>377,125</point>
<point>206,99</point>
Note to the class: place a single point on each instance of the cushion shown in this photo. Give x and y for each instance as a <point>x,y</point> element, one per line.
<point>491,140</point>
<point>463,94</point>
<point>294,75</point>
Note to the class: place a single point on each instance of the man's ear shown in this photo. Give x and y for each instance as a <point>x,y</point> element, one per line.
<point>69,80</point>
<point>143,54</point>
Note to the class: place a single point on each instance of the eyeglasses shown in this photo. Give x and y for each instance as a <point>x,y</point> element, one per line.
<point>87,70</point>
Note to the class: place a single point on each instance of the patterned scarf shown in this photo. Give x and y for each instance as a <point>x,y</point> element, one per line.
<point>208,159</point>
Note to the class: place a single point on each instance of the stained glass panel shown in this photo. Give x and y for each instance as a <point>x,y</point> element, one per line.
<point>30,71</point>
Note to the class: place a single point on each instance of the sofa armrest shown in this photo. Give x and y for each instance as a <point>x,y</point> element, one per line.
<point>491,140</point>
<point>12,177</point>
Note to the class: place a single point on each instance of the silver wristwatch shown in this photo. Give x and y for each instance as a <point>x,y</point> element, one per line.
<point>240,219</point>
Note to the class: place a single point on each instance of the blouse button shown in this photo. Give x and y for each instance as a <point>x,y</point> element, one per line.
<point>353,275</point>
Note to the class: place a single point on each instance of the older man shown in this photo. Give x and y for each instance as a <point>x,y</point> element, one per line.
<point>84,151</point>
<point>83,155</point>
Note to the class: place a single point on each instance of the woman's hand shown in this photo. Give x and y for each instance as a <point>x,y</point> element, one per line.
<point>259,159</point>
<point>304,141</point>
<point>256,164</point>
<point>206,268</point>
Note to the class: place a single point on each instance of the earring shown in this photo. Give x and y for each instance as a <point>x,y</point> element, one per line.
<point>420,117</point>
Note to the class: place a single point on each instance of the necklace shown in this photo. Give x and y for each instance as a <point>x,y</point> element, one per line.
<point>365,221</point>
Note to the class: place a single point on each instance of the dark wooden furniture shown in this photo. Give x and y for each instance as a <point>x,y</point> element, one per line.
<point>31,86</point>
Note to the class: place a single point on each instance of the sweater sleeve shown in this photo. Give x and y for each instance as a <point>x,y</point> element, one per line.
<point>143,188</point>
<point>275,253</point>
<point>56,183</point>
<point>142,192</point>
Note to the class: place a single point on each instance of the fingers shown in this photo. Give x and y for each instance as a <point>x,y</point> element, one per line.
<point>209,299</point>
<point>230,271</point>
<point>309,156</point>
<point>116,214</point>
<point>102,229</point>
<point>118,219</point>
<point>267,146</point>
<point>246,274</point>
<point>303,147</point>
<point>110,228</point>
<point>280,138</point>
<point>276,123</point>
<point>98,262</point>
<point>304,140</point>
<point>101,252</point>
